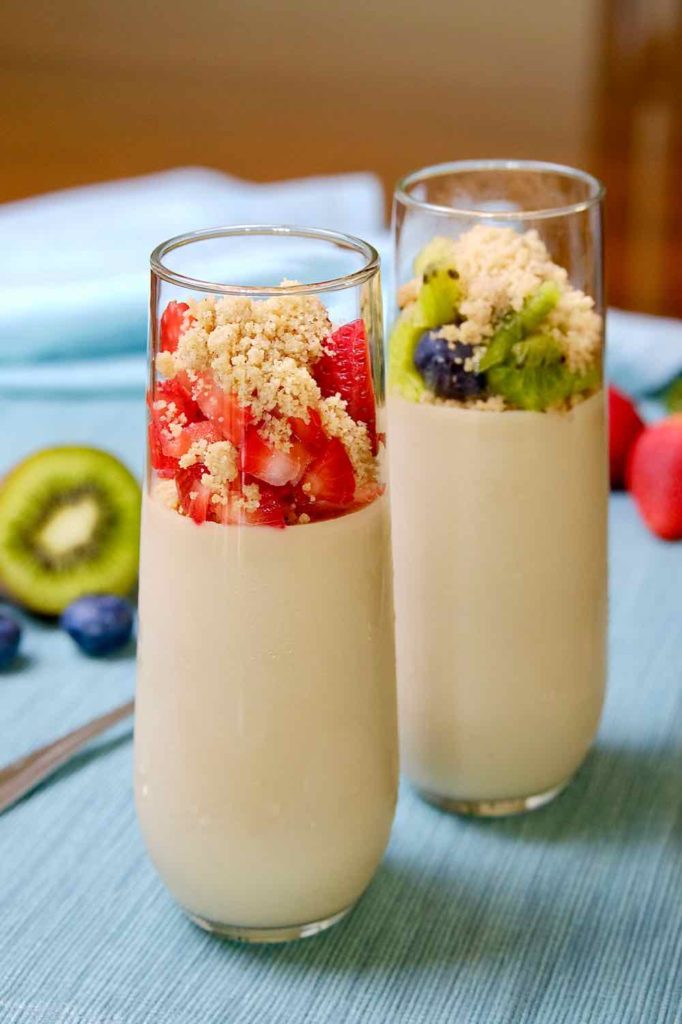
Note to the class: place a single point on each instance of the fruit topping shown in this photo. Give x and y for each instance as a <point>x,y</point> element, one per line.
<point>654,476</point>
<point>509,310</point>
<point>173,322</point>
<point>401,369</point>
<point>447,367</point>
<point>330,478</point>
<point>10,637</point>
<point>69,525</point>
<point>265,416</point>
<point>274,466</point>
<point>517,326</point>
<point>534,375</point>
<point>175,444</point>
<point>194,495</point>
<point>99,623</point>
<point>345,369</point>
<point>439,295</point>
<point>625,426</point>
<point>222,407</point>
<point>309,432</point>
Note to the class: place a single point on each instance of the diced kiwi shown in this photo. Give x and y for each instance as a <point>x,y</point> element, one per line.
<point>439,295</point>
<point>536,376</point>
<point>516,326</point>
<point>69,525</point>
<point>402,373</point>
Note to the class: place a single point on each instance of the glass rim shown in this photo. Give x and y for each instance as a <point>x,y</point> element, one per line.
<point>345,241</point>
<point>596,188</point>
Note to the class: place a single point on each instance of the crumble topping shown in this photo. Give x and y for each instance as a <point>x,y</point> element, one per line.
<point>499,268</point>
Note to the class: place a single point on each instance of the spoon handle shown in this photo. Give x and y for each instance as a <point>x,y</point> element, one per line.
<point>27,772</point>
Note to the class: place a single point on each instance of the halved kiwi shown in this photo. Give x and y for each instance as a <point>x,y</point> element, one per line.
<point>69,525</point>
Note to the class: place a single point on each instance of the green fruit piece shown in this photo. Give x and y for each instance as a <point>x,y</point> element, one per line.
<point>440,251</point>
<point>439,296</point>
<point>403,376</point>
<point>69,526</point>
<point>535,377</point>
<point>515,326</point>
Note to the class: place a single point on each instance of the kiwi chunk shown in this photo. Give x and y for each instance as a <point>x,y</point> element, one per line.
<point>439,296</point>
<point>516,326</point>
<point>536,376</point>
<point>69,525</point>
<point>402,373</point>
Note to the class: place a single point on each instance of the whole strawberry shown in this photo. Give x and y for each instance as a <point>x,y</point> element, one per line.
<point>625,426</point>
<point>654,477</point>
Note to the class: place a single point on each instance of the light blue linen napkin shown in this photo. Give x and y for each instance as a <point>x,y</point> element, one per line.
<point>74,273</point>
<point>74,264</point>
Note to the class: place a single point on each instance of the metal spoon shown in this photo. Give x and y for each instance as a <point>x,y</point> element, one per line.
<point>27,772</point>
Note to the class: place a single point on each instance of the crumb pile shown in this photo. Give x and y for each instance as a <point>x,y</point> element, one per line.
<point>498,269</point>
<point>239,401</point>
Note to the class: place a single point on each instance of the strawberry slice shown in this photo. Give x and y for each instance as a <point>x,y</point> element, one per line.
<point>172,392</point>
<point>195,497</point>
<point>223,407</point>
<point>310,433</point>
<point>174,323</point>
<point>330,478</point>
<point>163,464</point>
<point>275,467</point>
<point>347,371</point>
<point>175,445</point>
<point>270,512</point>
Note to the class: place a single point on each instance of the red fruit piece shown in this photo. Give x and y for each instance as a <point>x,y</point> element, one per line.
<point>347,371</point>
<point>330,478</point>
<point>173,393</point>
<point>310,433</point>
<point>163,464</point>
<point>194,496</point>
<point>270,512</point>
<point>223,407</point>
<point>175,445</point>
<point>173,324</point>
<point>655,477</point>
<point>261,460</point>
<point>625,426</point>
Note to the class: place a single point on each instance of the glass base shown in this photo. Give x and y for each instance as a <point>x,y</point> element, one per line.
<point>493,808</point>
<point>245,933</point>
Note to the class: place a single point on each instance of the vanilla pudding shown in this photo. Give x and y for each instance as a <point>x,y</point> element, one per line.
<point>499,498</point>
<point>266,760</point>
<point>499,526</point>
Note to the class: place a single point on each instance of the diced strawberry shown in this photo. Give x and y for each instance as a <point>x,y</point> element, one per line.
<point>173,393</point>
<point>223,407</point>
<point>174,323</point>
<point>164,466</point>
<point>195,496</point>
<point>347,371</point>
<point>330,478</point>
<point>176,445</point>
<point>270,512</point>
<point>275,467</point>
<point>310,433</point>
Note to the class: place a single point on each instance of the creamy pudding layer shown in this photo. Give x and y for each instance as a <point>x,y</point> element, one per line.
<point>500,594</point>
<point>266,768</point>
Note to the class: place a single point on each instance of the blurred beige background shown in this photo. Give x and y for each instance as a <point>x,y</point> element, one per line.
<point>267,90</point>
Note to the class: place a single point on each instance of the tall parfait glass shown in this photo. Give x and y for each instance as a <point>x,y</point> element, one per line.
<point>265,736</point>
<point>498,479</point>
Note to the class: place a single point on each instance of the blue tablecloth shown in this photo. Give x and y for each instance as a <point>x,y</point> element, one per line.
<point>571,914</point>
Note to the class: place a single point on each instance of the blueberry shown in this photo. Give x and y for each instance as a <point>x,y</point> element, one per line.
<point>10,635</point>
<point>442,365</point>
<point>99,623</point>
